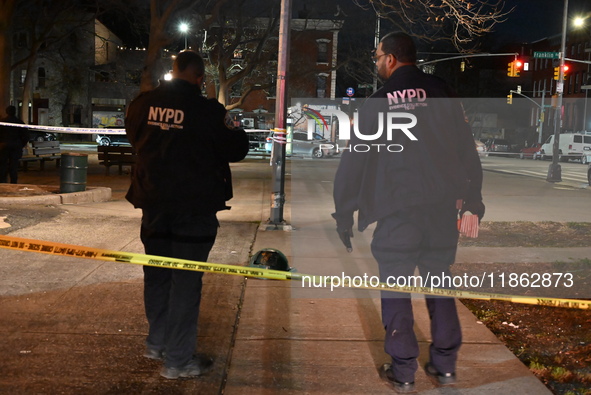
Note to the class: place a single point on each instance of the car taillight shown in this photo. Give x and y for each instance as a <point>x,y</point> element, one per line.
<point>570,146</point>
<point>269,139</point>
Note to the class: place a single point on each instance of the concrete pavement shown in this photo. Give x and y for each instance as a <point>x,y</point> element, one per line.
<point>77,326</point>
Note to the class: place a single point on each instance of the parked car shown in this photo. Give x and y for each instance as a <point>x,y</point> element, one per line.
<point>112,139</point>
<point>531,152</point>
<point>256,139</point>
<point>41,135</point>
<point>589,173</point>
<point>498,145</point>
<point>480,148</point>
<point>317,147</point>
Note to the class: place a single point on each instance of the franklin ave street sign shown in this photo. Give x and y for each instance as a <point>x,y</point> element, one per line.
<point>546,55</point>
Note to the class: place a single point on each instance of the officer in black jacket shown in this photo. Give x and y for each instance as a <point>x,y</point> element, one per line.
<point>410,166</point>
<point>180,181</point>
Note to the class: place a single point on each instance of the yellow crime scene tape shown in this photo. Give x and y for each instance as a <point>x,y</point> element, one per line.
<point>60,249</point>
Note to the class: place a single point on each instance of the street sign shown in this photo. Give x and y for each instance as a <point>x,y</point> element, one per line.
<point>546,55</point>
<point>560,87</point>
<point>350,92</point>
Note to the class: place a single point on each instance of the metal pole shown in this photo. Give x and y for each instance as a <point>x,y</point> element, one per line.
<point>586,90</point>
<point>376,42</point>
<point>278,156</point>
<point>542,118</point>
<point>555,171</point>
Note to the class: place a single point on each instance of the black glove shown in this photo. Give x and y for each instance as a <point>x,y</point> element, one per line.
<point>475,207</point>
<point>345,230</point>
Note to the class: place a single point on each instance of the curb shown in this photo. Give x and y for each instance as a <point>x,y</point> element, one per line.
<point>91,195</point>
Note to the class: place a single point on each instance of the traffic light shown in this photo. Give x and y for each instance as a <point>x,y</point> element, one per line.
<point>511,69</point>
<point>517,67</point>
<point>510,98</point>
<point>514,68</point>
<point>557,72</point>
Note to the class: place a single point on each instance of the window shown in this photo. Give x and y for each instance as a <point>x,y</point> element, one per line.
<point>321,85</point>
<point>322,50</point>
<point>41,77</point>
<point>577,139</point>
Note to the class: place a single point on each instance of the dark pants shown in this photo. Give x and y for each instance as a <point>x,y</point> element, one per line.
<point>423,237</point>
<point>14,154</point>
<point>172,296</point>
<point>9,157</point>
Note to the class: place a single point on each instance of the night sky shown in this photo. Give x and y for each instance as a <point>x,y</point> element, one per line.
<point>533,20</point>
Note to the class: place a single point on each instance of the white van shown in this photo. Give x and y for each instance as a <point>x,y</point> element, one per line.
<point>571,146</point>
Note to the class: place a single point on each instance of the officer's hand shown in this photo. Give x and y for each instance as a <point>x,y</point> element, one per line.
<point>345,229</point>
<point>475,207</point>
<point>345,234</point>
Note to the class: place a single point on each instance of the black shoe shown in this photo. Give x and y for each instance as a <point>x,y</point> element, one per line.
<point>442,378</point>
<point>388,376</point>
<point>197,366</point>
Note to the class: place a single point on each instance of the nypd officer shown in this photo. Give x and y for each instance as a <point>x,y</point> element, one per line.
<point>181,179</point>
<point>413,193</point>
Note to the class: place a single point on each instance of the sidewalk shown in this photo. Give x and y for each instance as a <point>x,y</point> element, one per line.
<point>77,326</point>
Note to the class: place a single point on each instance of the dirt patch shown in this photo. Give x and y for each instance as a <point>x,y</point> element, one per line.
<point>21,190</point>
<point>555,343</point>
<point>531,234</point>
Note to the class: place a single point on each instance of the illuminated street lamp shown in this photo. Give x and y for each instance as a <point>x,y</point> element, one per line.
<point>184,28</point>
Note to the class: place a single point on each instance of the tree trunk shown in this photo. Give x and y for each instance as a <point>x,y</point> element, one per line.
<point>158,40</point>
<point>7,7</point>
<point>28,86</point>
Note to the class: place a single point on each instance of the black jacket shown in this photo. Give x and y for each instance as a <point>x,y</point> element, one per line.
<point>12,136</point>
<point>183,148</point>
<point>439,167</point>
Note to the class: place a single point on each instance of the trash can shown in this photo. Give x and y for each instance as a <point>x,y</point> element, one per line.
<point>73,169</point>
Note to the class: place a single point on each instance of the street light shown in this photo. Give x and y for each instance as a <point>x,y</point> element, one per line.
<point>184,28</point>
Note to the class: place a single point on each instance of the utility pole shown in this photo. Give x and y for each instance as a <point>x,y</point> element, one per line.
<point>540,106</point>
<point>279,140</point>
<point>555,171</point>
<point>376,42</point>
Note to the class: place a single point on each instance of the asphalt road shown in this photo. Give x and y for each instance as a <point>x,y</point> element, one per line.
<point>513,189</point>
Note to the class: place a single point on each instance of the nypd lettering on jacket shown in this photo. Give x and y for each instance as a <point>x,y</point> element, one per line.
<point>408,99</point>
<point>166,118</point>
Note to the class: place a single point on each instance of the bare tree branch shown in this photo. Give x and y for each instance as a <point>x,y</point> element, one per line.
<point>458,21</point>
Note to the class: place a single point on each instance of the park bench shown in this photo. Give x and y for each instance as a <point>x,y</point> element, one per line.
<point>42,151</point>
<point>119,156</point>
